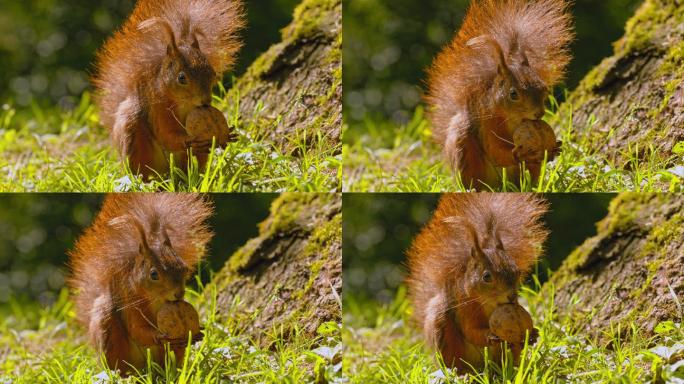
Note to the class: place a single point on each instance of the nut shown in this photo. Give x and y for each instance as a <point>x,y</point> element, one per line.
<point>176,318</point>
<point>206,122</point>
<point>532,138</point>
<point>510,322</point>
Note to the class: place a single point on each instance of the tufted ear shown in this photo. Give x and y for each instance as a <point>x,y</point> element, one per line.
<point>499,243</point>
<point>465,225</point>
<point>122,222</point>
<point>167,248</point>
<point>158,22</point>
<point>196,32</point>
<point>488,41</point>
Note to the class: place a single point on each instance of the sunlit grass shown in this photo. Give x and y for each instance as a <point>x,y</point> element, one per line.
<point>384,157</point>
<point>383,346</point>
<point>69,151</point>
<point>45,345</point>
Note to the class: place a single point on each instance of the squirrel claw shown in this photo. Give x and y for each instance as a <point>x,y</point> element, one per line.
<point>232,137</point>
<point>159,338</point>
<point>527,155</point>
<point>199,146</point>
<point>493,339</point>
<point>534,334</point>
<point>556,150</point>
<point>178,342</point>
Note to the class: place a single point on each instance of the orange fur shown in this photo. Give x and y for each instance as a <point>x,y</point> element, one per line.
<point>131,235</point>
<point>451,306</point>
<point>468,84</point>
<point>137,100</point>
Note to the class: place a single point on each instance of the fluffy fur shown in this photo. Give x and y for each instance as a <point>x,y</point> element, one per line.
<point>464,80</point>
<point>103,261</point>
<point>440,256</point>
<point>128,62</point>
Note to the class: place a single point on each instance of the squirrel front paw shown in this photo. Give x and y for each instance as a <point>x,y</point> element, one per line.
<point>493,339</point>
<point>232,137</point>
<point>534,334</point>
<point>556,150</point>
<point>198,146</point>
<point>528,154</point>
<point>161,339</point>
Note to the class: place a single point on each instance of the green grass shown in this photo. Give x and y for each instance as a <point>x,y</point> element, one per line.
<point>47,150</point>
<point>45,345</point>
<point>383,157</point>
<point>382,346</point>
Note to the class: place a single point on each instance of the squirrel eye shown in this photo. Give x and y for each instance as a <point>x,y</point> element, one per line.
<point>154,275</point>
<point>487,277</point>
<point>514,94</point>
<point>182,79</point>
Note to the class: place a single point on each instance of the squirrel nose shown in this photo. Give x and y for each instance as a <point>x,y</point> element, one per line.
<point>512,298</point>
<point>179,295</point>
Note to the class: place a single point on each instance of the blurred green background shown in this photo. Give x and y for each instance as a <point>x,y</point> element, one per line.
<point>36,230</point>
<point>47,46</point>
<point>388,44</point>
<point>379,228</point>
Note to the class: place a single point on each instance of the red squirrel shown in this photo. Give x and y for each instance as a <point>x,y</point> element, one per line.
<point>469,259</point>
<point>494,78</point>
<point>137,255</point>
<point>159,66</point>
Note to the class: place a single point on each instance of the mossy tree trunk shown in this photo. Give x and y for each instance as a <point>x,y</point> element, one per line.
<point>636,96</point>
<point>298,82</point>
<point>291,274</point>
<point>631,272</point>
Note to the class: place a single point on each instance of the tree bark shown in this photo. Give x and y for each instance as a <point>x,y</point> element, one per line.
<point>298,82</point>
<point>635,97</point>
<point>291,274</point>
<point>631,272</point>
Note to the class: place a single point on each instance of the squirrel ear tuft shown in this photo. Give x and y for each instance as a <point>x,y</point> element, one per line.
<point>125,221</point>
<point>155,22</point>
<point>500,57</point>
<point>499,243</point>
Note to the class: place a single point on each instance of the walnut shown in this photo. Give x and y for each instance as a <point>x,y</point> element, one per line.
<point>206,122</point>
<point>509,322</point>
<point>176,318</point>
<point>531,139</point>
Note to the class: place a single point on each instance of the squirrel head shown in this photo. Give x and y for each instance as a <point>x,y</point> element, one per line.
<point>518,91</point>
<point>158,274</point>
<point>491,277</point>
<point>186,76</point>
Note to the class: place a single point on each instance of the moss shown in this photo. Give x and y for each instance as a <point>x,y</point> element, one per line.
<point>643,32</point>
<point>286,212</point>
<point>656,252</point>
<point>324,235</point>
<point>621,217</point>
<point>286,216</point>
<point>640,29</point>
<point>314,269</point>
<point>663,234</point>
<point>308,18</point>
<point>674,60</point>
<point>306,23</point>
<point>243,256</point>
<point>621,213</point>
<point>672,67</point>
<point>593,79</point>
